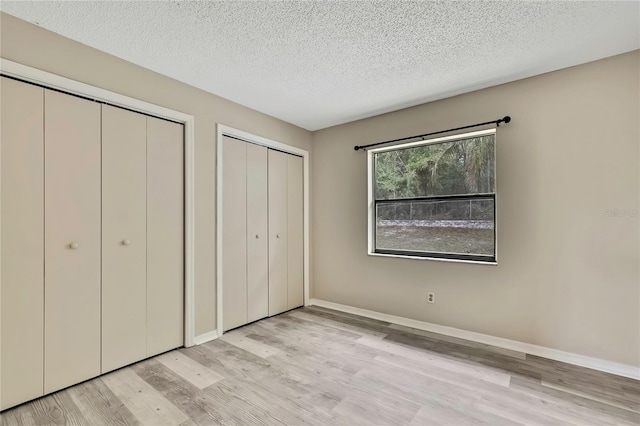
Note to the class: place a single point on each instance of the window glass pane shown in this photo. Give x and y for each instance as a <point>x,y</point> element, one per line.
<point>465,166</point>
<point>452,226</point>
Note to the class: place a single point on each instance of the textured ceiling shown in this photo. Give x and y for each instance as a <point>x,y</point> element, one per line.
<point>319,63</point>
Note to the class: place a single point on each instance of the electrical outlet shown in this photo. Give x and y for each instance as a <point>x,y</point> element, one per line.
<point>431,298</point>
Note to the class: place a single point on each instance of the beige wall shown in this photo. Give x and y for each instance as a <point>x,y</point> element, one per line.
<point>33,46</point>
<point>567,275</point>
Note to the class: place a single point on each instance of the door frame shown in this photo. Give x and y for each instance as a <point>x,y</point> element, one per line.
<point>223,130</point>
<point>48,80</point>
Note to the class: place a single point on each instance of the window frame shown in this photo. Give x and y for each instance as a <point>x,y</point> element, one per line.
<point>447,257</point>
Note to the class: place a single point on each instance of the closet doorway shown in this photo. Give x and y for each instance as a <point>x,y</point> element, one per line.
<point>105,278</point>
<point>262,228</point>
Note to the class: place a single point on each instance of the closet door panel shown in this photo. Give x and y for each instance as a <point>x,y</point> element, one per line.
<point>124,298</point>
<point>257,237</point>
<point>234,233</point>
<point>295,243</point>
<point>277,232</point>
<point>22,191</point>
<point>165,235</point>
<point>72,240</point>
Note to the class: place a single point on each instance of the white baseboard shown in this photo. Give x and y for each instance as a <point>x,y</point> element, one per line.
<point>206,337</point>
<point>541,351</point>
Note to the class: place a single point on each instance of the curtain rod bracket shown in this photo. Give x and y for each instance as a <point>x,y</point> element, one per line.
<point>506,119</point>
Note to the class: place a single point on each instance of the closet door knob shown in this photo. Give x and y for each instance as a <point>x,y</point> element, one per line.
<point>257,236</point>
<point>126,242</point>
<point>73,246</point>
<point>277,235</point>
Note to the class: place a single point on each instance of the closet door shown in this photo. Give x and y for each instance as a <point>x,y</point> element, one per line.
<point>124,286</point>
<point>165,235</point>
<point>72,240</point>
<point>278,270</point>
<point>234,233</point>
<point>22,233</point>
<point>257,237</point>
<point>295,232</point>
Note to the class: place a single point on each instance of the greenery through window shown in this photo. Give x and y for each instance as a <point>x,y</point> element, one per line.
<point>436,199</point>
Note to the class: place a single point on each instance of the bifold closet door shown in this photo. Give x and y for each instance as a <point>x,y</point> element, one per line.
<point>124,239</point>
<point>234,233</point>
<point>22,192</point>
<point>257,234</point>
<point>278,230</point>
<point>165,235</point>
<point>295,244</point>
<point>72,240</point>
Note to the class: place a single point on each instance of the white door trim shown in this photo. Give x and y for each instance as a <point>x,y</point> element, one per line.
<point>223,130</point>
<point>53,81</point>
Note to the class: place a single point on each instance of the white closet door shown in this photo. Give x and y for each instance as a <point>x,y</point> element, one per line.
<point>124,238</point>
<point>165,235</point>
<point>257,237</point>
<point>72,240</point>
<point>295,244</point>
<point>234,233</point>
<point>22,191</point>
<point>278,229</point>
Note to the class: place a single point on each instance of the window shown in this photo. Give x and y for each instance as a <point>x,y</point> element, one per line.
<point>434,199</point>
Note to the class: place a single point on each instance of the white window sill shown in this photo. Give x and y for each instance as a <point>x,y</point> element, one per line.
<point>476,262</point>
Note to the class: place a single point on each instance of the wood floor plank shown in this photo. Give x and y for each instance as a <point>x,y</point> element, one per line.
<point>294,330</point>
<point>238,338</point>
<point>439,385</point>
<point>365,323</point>
<point>20,415</point>
<point>344,315</point>
<point>620,391</point>
<point>517,416</point>
<point>146,404</point>
<point>627,405</point>
<point>241,411</point>
<point>607,391</point>
<point>187,398</point>
<point>304,375</point>
<point>311,338</point>
<point>228,360</point>
<point>426,359</point>
<point>337,324</point>
<point>99,405</point>
<point>311,349</point>
<point>443,370</point>
<point>285,410</point>
<point>55,409</point>
<point>316,366</point>
<point>475,356</point>
<point>592,411</point>
<point>377,410</point>
<point>436,413</point>
<point>400,328</point>
<point>190,370</point>
<point>279,374</point>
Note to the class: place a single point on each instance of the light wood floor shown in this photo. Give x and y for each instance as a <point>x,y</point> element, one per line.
<point>316,366</point>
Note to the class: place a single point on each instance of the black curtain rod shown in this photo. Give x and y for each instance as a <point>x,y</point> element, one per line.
<point>506,119</point>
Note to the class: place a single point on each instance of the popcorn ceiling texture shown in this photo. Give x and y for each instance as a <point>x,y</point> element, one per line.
<point>319,63</point>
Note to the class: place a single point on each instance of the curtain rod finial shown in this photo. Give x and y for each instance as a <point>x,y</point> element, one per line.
<point>356,148</point>
<point>506,119</point>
